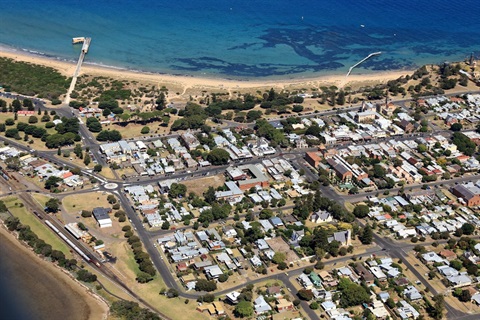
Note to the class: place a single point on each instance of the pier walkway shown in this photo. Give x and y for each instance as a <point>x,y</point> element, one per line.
<point>85,47</point>
<point>361,61</point>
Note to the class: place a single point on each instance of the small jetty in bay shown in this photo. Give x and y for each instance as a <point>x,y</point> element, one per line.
<point>363,60</point>
<point>85,46</point>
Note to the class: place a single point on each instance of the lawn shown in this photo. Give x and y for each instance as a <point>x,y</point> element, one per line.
<point>86,201</point>
<point>41,230</point>
<point>41,198</point>
<point>107,173</point>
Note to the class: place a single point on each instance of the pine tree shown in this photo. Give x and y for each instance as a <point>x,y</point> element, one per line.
<point>317,201</point>
<point>87,159</point>
<point>78,150</point>
<point>367,235</point>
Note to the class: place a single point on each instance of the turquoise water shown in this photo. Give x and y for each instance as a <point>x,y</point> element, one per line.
<point>246,39</point>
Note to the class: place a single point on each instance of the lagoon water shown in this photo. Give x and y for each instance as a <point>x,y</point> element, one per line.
<point>245,38</point>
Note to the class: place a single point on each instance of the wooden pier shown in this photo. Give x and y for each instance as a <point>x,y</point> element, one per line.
<point>85,46</point>
<point>361,61</point>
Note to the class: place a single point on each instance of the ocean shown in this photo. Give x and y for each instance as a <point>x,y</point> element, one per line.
<point>246,39</point>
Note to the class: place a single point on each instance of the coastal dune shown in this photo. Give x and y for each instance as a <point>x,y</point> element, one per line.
<point>39,290</point>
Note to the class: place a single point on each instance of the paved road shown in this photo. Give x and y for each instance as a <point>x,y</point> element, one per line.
<point>391,248</point>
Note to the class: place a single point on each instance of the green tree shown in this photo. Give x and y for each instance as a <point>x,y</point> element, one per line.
<point>439,307</point>
<point>78,150</point>
<point>244,309</point>
<point>218,156</point>
<point>305,294</point>
<point>465,296</point>
<point>352,294</point>
<point>456,127</point>
<point>52,182</point>
<point>165,225</point>
<point>205,285</point>
<point>32,119</point>
<point>367,235</point>
<point>279,257</point>
<point>209,195</point>
<point>177,189</point>
<point>97,168</point>
<point>87,159</point>
<point>52,205</point>
<point>468,228</point>
<point>94,125</point>
<point>361,211</point>
<point>145,130</point>
<point>85,276</point>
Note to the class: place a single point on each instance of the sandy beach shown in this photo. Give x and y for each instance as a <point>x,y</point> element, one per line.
<point>185,83</point>
<point>46,291</point>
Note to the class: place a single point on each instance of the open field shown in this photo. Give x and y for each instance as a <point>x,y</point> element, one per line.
<point>127,268</point>
<point>199,186</point>
<point>86,201</point>
<point>41,230</point>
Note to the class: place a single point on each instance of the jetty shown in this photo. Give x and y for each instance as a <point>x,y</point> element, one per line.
<point>361,61</point>
<point>85,46</point>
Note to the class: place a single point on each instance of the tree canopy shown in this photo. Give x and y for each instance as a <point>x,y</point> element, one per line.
<point>218,156</point>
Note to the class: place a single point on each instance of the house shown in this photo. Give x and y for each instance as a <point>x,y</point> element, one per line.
<point>273,290</point>
<point>276,222</point>
<point>102,217</point>
<point>432,257</point>
<point>229,232</point>
<point>364,274</point>
<point>378,310</point>
<point>321,217</point>
<point>232,297</point>
<point>448,254</point>
<point>407,126</point>
<point>344,237</point>
<point>305,281</point>
<point>460,280</point>
<point>261,306</point>
<point>412,293</point>
<point>219,307</point>
<point>317,282</point>
<point>182,266</point>
<point>284,305</point>
<point>407,311</point>
<point>378,273</point>
<point>329,306</point>
<point>190,140</point>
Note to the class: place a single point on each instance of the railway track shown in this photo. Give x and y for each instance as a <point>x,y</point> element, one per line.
<point>78,247</point>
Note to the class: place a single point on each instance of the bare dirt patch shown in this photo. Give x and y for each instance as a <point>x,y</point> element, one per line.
<point>279,245</point>
<point>199,186</point>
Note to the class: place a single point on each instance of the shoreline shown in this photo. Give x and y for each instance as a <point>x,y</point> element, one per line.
<point>50,277</point>
<point>67,68</point>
